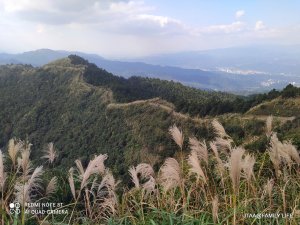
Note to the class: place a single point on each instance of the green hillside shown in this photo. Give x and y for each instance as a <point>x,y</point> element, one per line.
<point>55,103</point>
<point>85,110</point>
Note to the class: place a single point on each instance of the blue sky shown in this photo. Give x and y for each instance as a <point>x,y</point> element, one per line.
<point>133,28</point>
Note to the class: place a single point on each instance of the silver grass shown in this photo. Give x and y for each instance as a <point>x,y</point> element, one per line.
<point>134,176</point>
<point>282,153</point>
<point>177,135</point>
<point>149,186</point>
<point>219,129</point>
<point>51,187</point>
<point>195,166</point>
<point>170,174</point>
<point>35,177</point>
<point>145,170</point>
<point>269,187</point>
<point>71,182</point>
<point>224,145</point>
<point>235,167</point>
<point>23,191</point>
<point>274,153</point>
<point>292,151</point>
<point>220,164</point>
<point>215,209</point>
<point>2,172</point>
<point>14,147</point>
<point>50,153</point>
<point>95,166</point>
<point>24,162</point>
<point>108,182</point>
<point>248,164</point>
<point>200,148</point>
<point>269,122</point>
<point>79,167</point>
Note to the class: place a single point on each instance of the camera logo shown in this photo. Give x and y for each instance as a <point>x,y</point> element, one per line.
<point>14,208</point>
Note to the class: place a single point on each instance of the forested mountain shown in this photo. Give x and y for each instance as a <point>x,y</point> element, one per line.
<point>223,80</point>
<point>85,110</point>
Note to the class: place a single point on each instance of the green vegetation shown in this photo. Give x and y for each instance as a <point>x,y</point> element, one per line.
<point>214,182</point>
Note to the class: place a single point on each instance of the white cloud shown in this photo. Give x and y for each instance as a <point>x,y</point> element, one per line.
<point>225,28</point>
<point>239,14</point>
<point>259,25</point>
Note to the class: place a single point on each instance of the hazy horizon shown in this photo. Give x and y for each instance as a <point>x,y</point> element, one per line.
<point>137,28</point>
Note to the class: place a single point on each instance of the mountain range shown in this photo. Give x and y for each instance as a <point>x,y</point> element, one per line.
<point>240,70</point>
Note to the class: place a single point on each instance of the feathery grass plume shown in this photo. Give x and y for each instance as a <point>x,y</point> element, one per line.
<point>224,145</point>
<point>2,173</point>
<point>79,167</point>
<point>269,187</point>
<point>177,135</point>
<point>145,170</point>
<point>108,182</point>
<point>269,122</point>
<point>278,154</point>
<point>200,148</point>
<point>215,209</point>
<point>24,191</point>
<point>14,147</point>
<point>51,187</point>
<point>219,129</point>
<point>95,166</point>
<point>195,166</point>
<point>170,174</point>
<point>220,164</point>
<point>24,162</point>
<point>71,182</point>
<point>149,186</point>
<point>235,167</point>
<point>134,176</point>
<point>50,153</point>
<point>248,164</point>
<point>291,150</point>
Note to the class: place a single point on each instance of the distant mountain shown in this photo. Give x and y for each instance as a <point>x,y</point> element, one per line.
<point>221,80</point>
<point>272,59</point>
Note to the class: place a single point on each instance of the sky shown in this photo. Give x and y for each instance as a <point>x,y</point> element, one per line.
<point>135,28</point>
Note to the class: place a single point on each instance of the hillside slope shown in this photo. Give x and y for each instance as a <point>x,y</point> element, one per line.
<point>55,103</point>
<point>278,107</point>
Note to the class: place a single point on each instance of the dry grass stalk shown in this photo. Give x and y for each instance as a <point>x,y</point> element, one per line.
<point>71,182</point>
<point>177,135</point>
<point>23,191</point>
<point>95,166</point>
<point>134,176</point>
<point>195,166</point>
<point>291,150</point>
<point>145,170</point>
<point>248,164</point>
<point>2,171</point>
<point>170,174</point>
<point>219,129</point>
<point>269,122</point>
<point>235,167</point>
<point>215,209</point>
<point>220,164</point>
<point>51,187</point>
<point>24,162</point>
<point>224,145</point>
<point>200,148</point>
<point>50,153</point>
<point>14,147</point>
